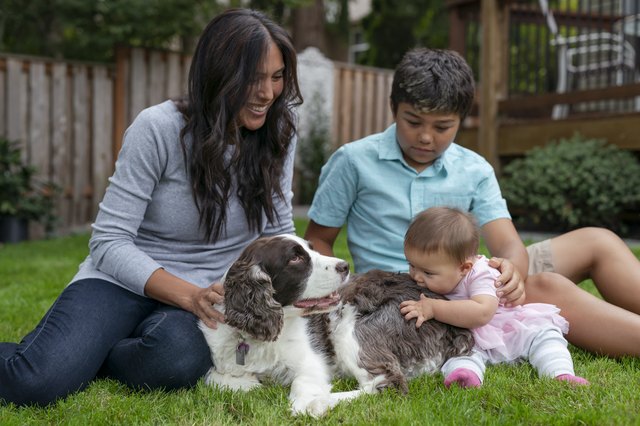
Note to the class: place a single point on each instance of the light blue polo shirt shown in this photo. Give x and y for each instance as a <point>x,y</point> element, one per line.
<point>368,185</point>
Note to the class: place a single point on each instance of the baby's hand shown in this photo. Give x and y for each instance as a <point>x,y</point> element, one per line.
<point>421,310</point>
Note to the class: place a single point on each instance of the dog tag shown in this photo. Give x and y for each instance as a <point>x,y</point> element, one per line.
<point>241,351</point>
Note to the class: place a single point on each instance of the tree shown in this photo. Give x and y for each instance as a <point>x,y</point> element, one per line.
<point>89,29</point>
<point>276,9</point>
<point>320,23</point>
<point>395,26</point>
<point>308,26</point>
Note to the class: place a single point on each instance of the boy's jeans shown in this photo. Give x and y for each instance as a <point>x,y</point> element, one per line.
<point>96,328</point>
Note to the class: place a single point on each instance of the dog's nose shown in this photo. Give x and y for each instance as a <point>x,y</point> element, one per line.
<point>342,268</point>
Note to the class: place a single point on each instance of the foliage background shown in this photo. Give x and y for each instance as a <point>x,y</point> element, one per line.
<point>89,29</point>
<point>395,26</point>
<point>572,183</point>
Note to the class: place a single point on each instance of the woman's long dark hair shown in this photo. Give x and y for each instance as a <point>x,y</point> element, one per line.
<point>230,51</point>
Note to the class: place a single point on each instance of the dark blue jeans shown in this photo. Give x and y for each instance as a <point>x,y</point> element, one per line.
<point>97,329</point>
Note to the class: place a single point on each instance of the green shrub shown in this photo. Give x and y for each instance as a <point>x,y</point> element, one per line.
<point>573,183</point>
<point>312,150</point>
<point>21,194</point>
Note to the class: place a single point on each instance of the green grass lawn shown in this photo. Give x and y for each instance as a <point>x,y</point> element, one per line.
<point>33,273</point>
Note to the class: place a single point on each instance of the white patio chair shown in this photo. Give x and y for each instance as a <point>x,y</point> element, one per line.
<point>587,53</point>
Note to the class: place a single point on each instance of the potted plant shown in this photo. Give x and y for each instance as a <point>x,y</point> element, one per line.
<point>22,198</point>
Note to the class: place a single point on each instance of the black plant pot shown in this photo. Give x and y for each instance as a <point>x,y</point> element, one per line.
<point>13,229</point>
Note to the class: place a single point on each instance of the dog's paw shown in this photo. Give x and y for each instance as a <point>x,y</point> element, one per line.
<point>244,383</point>
<point>315,407</point>
<point>374,384</point>
<point>337,397</point>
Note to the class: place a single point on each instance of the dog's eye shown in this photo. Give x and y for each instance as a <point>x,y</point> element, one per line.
<point>296,258</point>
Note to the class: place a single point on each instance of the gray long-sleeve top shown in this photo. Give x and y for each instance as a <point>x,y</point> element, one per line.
<point>148,218</point>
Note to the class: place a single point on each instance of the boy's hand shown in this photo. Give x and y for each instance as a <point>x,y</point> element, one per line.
<point>421,310</point>
<point>510,283</point>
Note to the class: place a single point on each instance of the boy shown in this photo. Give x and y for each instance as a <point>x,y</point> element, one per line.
<point>378,184</point>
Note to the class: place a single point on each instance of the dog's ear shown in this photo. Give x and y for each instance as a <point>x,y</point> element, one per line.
<point>249,303</point>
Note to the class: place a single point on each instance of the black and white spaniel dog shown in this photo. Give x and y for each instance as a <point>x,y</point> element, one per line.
<point>369,339</point>
<point>270,292</point>
<point>292,316</point>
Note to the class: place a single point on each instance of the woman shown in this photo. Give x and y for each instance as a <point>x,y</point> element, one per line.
<point>194,183</point>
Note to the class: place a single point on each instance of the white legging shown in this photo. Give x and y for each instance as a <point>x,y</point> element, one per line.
<point>547,353</point>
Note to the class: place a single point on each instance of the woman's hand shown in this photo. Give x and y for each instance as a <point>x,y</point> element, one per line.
<point>202,303</point>
<point>167,288</point>
<point>510,283</point>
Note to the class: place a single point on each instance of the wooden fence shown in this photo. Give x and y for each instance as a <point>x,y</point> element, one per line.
<point>146,77</point>
<point>62,115</point>
<point>69,117</point>
<point>360,102</point>
<point>143,78</point>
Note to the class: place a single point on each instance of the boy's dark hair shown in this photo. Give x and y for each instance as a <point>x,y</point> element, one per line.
<point>444,229</point>
<point>433,80</point>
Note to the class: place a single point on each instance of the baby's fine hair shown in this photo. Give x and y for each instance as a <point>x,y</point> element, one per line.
<point>444,229</point>
<point>433,80</point>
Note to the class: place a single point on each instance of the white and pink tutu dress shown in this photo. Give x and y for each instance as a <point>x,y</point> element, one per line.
<point>508,336</point>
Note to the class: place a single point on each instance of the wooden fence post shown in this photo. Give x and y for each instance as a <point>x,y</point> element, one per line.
<point>120,115</point>
<point>491,70</point>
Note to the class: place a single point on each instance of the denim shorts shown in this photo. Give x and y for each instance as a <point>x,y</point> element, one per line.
<point>540,257</point>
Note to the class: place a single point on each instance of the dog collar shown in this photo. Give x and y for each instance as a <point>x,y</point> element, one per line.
<point>241,351</point>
